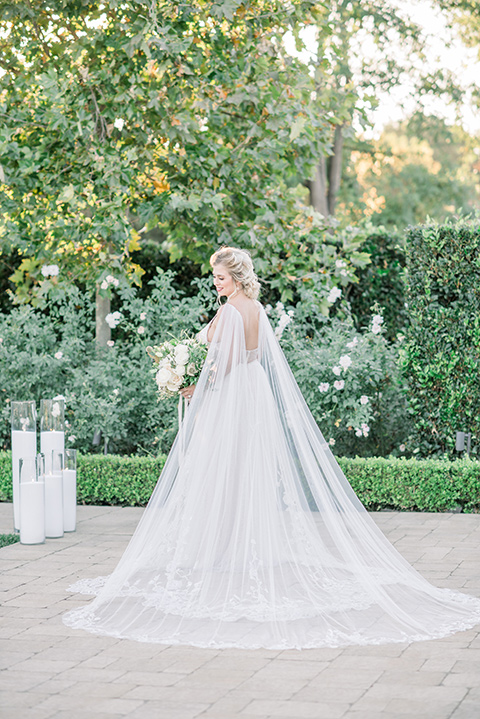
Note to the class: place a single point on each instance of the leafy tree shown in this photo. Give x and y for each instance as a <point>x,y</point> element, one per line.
<point>417,169</point>
<point>374,47</point>
<point>188,117</point>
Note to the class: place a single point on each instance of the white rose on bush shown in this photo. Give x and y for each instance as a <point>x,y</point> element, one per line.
<point>334,294</point>
<point>112,319</point>
<point>345,361</point>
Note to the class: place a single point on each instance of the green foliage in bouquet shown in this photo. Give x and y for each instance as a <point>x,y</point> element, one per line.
<point>441,357</point>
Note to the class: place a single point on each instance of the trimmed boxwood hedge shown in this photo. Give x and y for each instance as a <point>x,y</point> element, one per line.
<point>111,479</point>
<point>430,485</point>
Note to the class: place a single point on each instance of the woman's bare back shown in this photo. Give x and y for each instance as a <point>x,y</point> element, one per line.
<point>249,309</point>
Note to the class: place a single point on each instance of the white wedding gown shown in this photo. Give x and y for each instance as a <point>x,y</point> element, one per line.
<point>253,537</point>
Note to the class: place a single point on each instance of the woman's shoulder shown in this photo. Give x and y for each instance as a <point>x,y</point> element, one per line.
<point>244,305</point>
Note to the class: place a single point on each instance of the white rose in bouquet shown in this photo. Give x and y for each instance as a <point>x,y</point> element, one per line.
<point>163,376</point>
<point>191,370</point>
<point>181,354</point>
<point>178,363</point>
<point>173,385</point>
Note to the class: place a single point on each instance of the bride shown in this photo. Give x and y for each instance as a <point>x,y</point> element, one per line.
<point>253,536</point>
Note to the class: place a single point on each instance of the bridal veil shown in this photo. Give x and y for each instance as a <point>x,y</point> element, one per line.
<point>253,536</point>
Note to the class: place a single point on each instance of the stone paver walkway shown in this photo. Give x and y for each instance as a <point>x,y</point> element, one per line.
<point>53,672</point>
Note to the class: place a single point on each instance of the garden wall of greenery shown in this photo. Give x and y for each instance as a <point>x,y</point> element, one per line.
<point>391,380</point>
<point>350,378</point>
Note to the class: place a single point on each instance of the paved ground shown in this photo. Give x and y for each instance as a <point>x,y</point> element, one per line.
<point>53,672</point>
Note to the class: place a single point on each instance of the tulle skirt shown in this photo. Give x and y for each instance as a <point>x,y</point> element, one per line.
<point>253,538</point>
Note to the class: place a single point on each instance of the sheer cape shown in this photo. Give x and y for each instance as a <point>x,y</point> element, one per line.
<point>253,536</point>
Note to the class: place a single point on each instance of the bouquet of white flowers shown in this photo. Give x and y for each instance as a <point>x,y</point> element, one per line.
<point>178,363</point>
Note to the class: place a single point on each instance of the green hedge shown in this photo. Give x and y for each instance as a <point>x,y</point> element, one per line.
<point>442,353</point>
<point>111,479</point>
<point>398,484</point>
<point>430,485</point>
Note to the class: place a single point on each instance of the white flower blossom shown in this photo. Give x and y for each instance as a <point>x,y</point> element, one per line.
<point>345,361</point>
<point>119,123</point>
<point>323,386</point>
<point>402,448</point>
<point>331,441</point>
<point>110,343</point>
<point>143,315</point>
<point>339,384</point>
<point>291,313</point>
<point>116,391</point>
<point>352,344</point>
<point>365,429</point>
<point>112,319</point>
<point>141,330</point>
<point>109,279</point>
<point>279,307</point>
<point>50,270</point>
<point>72,438</point>
<point>337,370</point>
<point>358,433</point>
<point>104,285</point>
<point>364,399</point>
<point>334,294</point>
<point>377,321</point>
<point>285,319</point>
<point>344,273</point>
<point>116,282</point>
<point>340,263</point>
<point>268,309</point>
<point>174,382</point>
<point>58,355</point>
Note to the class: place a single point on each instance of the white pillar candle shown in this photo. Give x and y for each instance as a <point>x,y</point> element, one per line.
<point>53,505</point>
<point>69,500</point>
<point>24,444</point>
<point>51,440</point>
<point>32,512</point>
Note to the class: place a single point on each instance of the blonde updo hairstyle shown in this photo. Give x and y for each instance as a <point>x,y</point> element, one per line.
<point>239,264</point>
